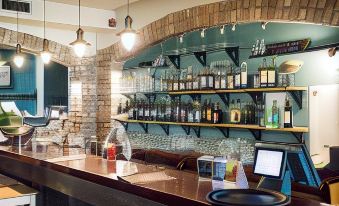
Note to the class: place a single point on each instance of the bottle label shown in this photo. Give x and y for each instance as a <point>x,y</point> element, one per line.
<point>197,116</point>
<point>175,86</point>
<point>237,80</point>
<point>190,117</point>
<point>203,82</point>
<point>287,117</point>
<point>182,86</point>
<point>146,113</point>
<point>271,77</point>
<point>223,83</point>
<point>263,77</point>
<point>209,115</point>
<point>230,82</point>
<point>235,116</point>
<point>210,82</point>
<point>243,79</point>
<point>217,84</point>
<point>153,113</point>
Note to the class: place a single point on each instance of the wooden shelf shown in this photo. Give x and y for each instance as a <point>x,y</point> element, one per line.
<point>255,129</point>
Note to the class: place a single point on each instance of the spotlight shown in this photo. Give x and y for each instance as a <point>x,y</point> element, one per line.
<point>263,25</point>
<point>222,29</point>
<point>181,38</point>
<point>202,33</point>
<point>234,26</point>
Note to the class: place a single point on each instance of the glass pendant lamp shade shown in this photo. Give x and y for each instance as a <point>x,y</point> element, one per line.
<point>128,35</point>
<point>45,54</point>
<point>79,45</point>
<point>18,58</point>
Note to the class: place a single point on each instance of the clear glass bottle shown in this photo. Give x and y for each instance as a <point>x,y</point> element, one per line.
<point>271,74</point>
<point>230,78</point>
<point>275,115</point>
<point>263,74</point>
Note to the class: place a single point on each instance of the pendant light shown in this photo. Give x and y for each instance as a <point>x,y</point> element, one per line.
<point>79,45</point>
<point>18,57</point>
<point>128,35</point>
<point>45,54</point>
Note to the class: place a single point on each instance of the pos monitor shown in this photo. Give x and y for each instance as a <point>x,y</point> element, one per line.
<point>270,162</point>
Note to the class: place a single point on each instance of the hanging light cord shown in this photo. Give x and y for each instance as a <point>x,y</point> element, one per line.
<point>127,7</point>
<point>44,19</point>
<point>17,21</point>
<point>79,13</point>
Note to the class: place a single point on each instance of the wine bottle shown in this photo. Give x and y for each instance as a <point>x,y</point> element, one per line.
<point>203,112</point>
<point>190,115</point>
<point>271,74</point>
<point>196,111</point>
<point>275,115</point>
<point>217,114</point>
<point>263,74</point>
<point>230,78</point>
<point>288,114</point>
<point>209,112</point>
<point>168,112</point>
<point>243,76</point>
<point>237,78</point>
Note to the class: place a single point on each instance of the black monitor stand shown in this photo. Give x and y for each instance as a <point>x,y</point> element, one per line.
<point>280,185</point>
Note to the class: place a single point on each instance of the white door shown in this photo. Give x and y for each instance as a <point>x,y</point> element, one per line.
<point>324,120</point>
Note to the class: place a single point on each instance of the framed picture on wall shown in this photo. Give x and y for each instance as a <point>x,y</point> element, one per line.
<point>5,77</point>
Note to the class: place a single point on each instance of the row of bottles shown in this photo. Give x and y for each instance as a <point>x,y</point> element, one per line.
<point>169,110</point>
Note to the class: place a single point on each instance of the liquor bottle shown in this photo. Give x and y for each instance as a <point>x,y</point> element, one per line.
<point>271,74</point>
<point>260,113</point>
<point>257,48</point>
<point>210,79</point>
<point>209,116</point>
<point>189,81</point>
<point>176,82</point>
<point>177,110</point>
<point>190,112</point>
<point>237,78</point>
<point>217,80</point>
<point>119,108</point>
<point>183,112</point>
<point>182,80</point>
<point>153,110</point>
<point>164,82</point>
<point>168,111</point>
<point>275,115</point>
<point>217,114</point>
<point>130,110</point>
<point>223,84</point>
<point>244,114</point>
<point>263,74</point>
<point>243,76</point>
<point>196,111</point>
<point>235,112</point>
<point>196,83</point>
<point>141,110</point>
<point>204,111</point>
<point>230,78</point>
<point>170,82</point>
<point>147,111</point>
<point>288,114</point>
<point>202,79</point>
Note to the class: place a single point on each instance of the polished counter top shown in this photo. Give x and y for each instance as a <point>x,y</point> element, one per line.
<point>185,189</point>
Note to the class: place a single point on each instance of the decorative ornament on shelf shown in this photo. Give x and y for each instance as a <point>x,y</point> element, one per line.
<point>79,45</point>
<point>45,54</point>
<point>128,35</point>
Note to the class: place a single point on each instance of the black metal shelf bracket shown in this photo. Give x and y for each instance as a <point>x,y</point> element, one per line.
<point>124,124</point>
<point>299,136</point>
<point>255,96</point>
<point>256,134</point>
<point>298,97</point>
<point>201,57</point>
<point>197,131</point>
<point>225,98</point>
<point>227,133</point>
<point>144,126</point>
<point>233,53</point>
<point>175,59</point>
<point>166,128</point>
<point>187,129</point>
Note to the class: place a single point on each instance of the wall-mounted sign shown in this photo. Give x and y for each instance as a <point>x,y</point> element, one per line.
<point>5,76</point>
<point>284,47</point>
<point>112,22</point>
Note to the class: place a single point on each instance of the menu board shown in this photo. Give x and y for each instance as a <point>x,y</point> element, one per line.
<point>285,47</point>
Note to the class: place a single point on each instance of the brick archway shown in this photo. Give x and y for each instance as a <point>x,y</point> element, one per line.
<point>325,12</point>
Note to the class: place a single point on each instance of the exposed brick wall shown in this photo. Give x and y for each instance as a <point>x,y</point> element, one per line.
<point>226,12</point>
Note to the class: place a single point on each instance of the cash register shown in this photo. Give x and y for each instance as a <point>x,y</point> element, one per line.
<point>279,164</point>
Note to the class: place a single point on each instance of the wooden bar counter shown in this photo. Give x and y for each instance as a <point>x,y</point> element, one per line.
<point>94,180</point>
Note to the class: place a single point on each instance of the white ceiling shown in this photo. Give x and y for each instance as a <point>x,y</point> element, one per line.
<point>99,4</point>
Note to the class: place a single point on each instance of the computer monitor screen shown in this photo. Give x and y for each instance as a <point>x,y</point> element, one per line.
<point>269,162</point>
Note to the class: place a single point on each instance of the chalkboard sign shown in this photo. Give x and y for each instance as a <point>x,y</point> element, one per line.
<point>285,47</point>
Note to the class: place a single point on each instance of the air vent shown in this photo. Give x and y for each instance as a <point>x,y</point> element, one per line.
<point>14,6</point>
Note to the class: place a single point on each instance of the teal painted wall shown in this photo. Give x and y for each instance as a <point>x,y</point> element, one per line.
<point>23,79</point>
<point>318,67</point>
<point>55,84</point>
